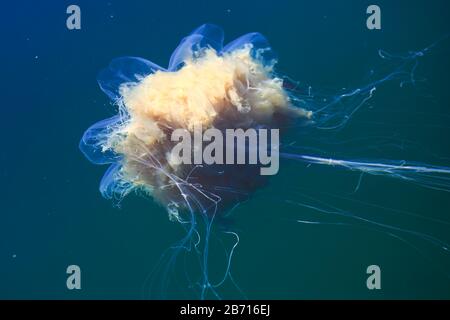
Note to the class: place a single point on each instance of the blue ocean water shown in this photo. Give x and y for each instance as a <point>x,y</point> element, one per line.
<point>54,216</point>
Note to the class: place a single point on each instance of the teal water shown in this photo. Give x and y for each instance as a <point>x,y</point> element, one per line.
<point>53,214</point>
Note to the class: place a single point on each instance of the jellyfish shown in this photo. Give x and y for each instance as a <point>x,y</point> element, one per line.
<point>235,86</point>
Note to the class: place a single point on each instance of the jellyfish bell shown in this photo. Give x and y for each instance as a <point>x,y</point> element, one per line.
<point>206,85</point>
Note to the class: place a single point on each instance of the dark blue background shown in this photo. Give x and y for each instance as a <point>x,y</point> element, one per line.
<point>52,214</point>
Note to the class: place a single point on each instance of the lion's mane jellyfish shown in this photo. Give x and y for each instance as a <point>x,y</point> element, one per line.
<point>205,85</point>
<point>231,86</point>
